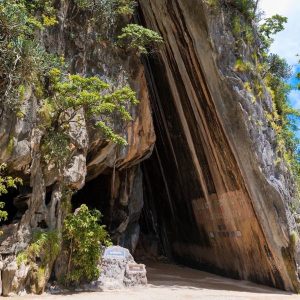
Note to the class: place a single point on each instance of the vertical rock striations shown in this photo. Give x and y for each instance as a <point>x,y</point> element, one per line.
<point>213,193</point>
<point>221,202</point>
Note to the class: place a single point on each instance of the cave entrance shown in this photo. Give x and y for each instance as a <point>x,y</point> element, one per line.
<point>152,245</point>
<point>96,194</point>
<point>16,203</point>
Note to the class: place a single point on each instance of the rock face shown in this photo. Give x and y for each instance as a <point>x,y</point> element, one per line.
<point>210,196</point>
<point>218,199</point>
<point>45,185</point>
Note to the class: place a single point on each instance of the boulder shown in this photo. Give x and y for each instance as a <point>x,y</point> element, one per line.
<point>119,270</point>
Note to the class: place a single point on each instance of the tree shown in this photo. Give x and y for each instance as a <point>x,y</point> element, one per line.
<point>67,96</point>
<point>270,27</point>
<point>279,67</point>
<point>138,38</point>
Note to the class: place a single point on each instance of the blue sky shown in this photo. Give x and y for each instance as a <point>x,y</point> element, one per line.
<point>294,96</point>
<point>287,42</point>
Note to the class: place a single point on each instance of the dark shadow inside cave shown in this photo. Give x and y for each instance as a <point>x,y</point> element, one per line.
<point>96,195</point>
<point>15,203</point>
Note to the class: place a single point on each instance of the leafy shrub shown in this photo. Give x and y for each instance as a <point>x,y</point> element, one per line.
<point>40,256</point>
<point>55,147</point>
<point>83,237</point>
<point>139,38</point>
<point>125,7</point>
<point>241,30</point>
<point>45,245</point>
<point>243,66</point>
<point>88,4</point>
<point>122,7</point>
<point>6,182</point>
<point>22,59</point>
<point>247,7</point>
<point>213,3</point>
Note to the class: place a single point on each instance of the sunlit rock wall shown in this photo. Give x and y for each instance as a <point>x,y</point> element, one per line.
<point>221,201</point>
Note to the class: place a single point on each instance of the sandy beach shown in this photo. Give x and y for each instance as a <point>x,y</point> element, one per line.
<point>172,282</point>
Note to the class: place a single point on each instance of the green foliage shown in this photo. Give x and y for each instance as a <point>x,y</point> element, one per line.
<point>139,38</point>
<point>84,236</point>
<point>22,59</point>
<point>278,67</point>
<point>247,7</point>
<point>125,7</point>
<point>243,66</point>
<point>241,30</point>
<point>6,182</point>
<point>45,245</point>
<point>40,256</point>
<point>274,71</point>
<point>213,3</point>
<point>88,4</point>
<point>55,147</point>
<point>68,96</point>
<point>25,63</point>
<point>283,118</point>
<point>270,27</point>
<point>16,59</point>
<point>294,237</point>
<point>119,7</point>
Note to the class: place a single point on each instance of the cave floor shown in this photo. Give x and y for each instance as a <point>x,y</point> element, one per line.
<point>173,282</point>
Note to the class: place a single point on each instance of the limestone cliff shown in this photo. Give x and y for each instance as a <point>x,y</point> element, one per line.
<point>214,197</point>
<point>38,205</point>
<point>221,200</point>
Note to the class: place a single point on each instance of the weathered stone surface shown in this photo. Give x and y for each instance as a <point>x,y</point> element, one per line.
<point>91,154</point>
<point>76,171</point>
<point>8,278</point>
<point>220,200</point>
<point>135,274</point>
<point>119,270</point>
<point>213,193</point>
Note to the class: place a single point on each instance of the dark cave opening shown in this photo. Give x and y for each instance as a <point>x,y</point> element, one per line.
<point>15,203</point>
<point>96,195</point>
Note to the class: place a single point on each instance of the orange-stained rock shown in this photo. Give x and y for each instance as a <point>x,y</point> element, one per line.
<point>222,203</point>
<point>139,133</point>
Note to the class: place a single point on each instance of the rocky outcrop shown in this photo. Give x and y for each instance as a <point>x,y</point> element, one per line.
<point>46,186</point>
<point>221,202</point>
<point>119,270</point>
<point>214,196</point>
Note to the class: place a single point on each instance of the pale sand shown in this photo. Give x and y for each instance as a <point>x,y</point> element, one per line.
<point>171,282</point>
